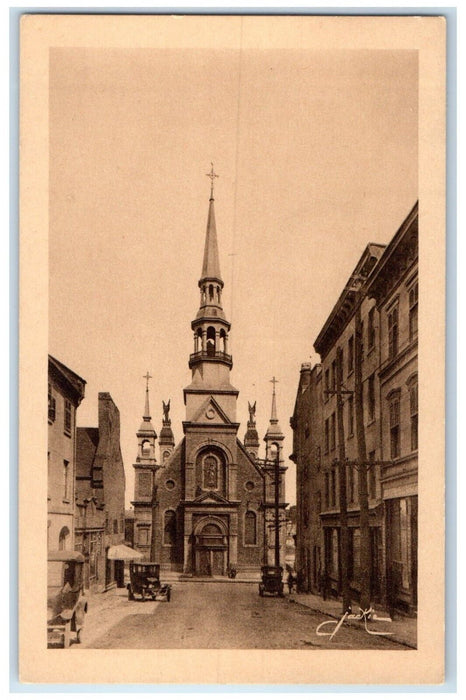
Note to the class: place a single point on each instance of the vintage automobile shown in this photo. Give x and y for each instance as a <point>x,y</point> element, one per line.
<point>271,583</point>
<point>66,602</point>
<point>145,582</point>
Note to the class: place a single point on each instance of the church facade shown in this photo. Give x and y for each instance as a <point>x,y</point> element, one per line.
<point>209,504</point>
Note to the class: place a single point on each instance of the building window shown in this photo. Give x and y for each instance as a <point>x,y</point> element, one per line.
<point>334,375</point>
<point>372,475</point>
<point>350,415</point>
<point>371,397</point>
<point>318,502</point>
<point>350,354</point>
<point>350,483</point>
<point>67,418</point>
<point>333,488</point>
<point>143,536</point>
<point>327,383</point>
<point>115,526</point>
<point>332,431</point>
<point>393,332</point>
<point>145,448</point>
<point>371,329</point>
<point>51,405</point>
<point>169,528</point>
<point>413,306</point>
<point>66,480</point>
<point>395,427</point>
<point>361,341</point>
<point>327,490</point>
<point>64,539</point>
<point>413,405</point>
<point>318,458</point>
<point>250,528</point>
<point>327,436</point>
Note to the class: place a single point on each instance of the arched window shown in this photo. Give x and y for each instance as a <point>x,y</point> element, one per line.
<point>211,341</point>
<point>169,528</point>
<point>211,292</point>
<point>250,528</point>
<point>273,450</point>
<point>63,538</point>
<point>146,448</point>
<point>223,337</point>
<point>218,294</point>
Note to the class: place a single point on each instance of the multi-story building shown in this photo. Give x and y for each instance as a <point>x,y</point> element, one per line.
<point>100,497</point>
<point>65,393</point>
<point>375,297</point>
<point>394,286</point>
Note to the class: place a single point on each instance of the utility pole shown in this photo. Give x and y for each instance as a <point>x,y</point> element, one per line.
<point>344,540</point>
<point>153,541</point>
<point>277,509</point>
<point>365,554</point>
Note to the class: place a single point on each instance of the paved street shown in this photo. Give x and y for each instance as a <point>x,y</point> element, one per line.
<point>214,615</point>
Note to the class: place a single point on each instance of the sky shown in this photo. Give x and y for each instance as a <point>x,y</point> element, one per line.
<point>317,155</point>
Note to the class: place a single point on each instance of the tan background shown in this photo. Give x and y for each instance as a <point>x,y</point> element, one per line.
<point>39,34</point>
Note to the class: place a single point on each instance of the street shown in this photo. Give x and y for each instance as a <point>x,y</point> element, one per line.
<point>214,615</point>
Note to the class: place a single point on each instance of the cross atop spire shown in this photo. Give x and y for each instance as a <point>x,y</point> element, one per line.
<point>147,376</point>
<point>212,176</point>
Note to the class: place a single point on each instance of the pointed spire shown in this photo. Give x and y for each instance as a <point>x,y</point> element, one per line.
<point>146,424</point>
<point>211,265</point>
<point>274,428</point>
<point>147,415</point>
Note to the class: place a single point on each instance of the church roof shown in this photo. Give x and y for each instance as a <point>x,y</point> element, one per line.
<point>211,264</point>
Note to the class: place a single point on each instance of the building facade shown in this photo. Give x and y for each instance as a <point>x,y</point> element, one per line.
<point>372,293</point>
<point>205,508</point>
<point>100,496</point>
<point>65,393</point>
<point>394,286</point>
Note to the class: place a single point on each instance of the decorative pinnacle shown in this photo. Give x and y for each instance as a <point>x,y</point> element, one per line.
<point>147,376</point>
<point>273,417</point>
<point>212,175</point>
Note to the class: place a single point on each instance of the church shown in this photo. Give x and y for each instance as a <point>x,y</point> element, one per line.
<point>209,504</point>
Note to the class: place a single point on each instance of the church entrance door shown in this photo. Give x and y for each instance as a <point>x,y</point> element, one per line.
<point>211,552</point>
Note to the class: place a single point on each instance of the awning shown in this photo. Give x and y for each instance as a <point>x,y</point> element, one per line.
<point>122,551</point>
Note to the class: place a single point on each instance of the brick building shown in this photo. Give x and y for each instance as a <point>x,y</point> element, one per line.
<point>383,287</point>
<point>100,496</point>
<point>206,506</point>
<point>65,393</point>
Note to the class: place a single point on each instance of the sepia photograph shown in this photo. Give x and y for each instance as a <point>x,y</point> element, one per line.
<point>233,261</point>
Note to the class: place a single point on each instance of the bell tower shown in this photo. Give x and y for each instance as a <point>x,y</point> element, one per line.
<point>210,362</point>
<point>145,468</point>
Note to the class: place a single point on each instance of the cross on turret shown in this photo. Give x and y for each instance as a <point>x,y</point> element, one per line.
<point>212,175</point>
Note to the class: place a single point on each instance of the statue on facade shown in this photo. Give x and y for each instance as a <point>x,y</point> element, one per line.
<point>166,411</point>
<point>252,411</point>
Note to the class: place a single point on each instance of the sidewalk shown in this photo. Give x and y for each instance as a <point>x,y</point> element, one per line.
<point>404,628</point>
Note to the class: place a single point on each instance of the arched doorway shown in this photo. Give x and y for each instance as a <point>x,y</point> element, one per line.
<point>210,549</point>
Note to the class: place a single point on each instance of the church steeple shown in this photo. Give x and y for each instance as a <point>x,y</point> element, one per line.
<point>146,434</point>
<point>210,325</point>
<point>210,363</point>
<point>274,436</point>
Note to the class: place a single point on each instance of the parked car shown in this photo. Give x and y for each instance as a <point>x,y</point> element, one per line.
<point>271,583</point>
<point>66,602</point>
<point>145,582</point>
